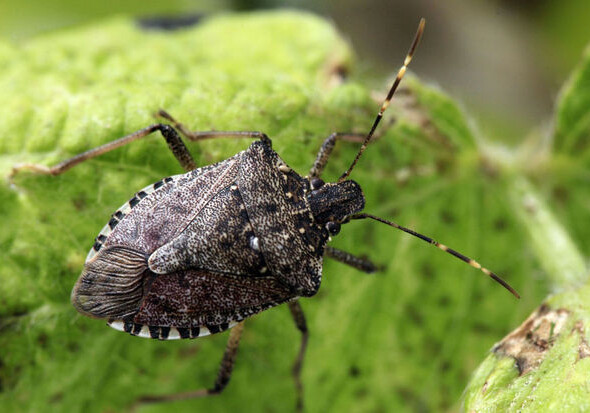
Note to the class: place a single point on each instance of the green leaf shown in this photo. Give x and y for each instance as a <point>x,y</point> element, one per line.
<point>544,364</point>
<point>406,338</point>
<point>572,123</point>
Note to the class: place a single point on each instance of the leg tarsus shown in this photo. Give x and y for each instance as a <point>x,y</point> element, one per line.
<point>347,258</point>
<point>299,318</point>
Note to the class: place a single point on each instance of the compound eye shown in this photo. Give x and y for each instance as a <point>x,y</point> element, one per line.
<point>333,227</point>
<point>316,183</point>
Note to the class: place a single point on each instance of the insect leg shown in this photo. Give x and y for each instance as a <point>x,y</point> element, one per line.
<point>174,143</point>
<point>324,153</point>
<point>201,135</point>
<point>344,257</point>
<point>299,317</point>
<point>225,370</point>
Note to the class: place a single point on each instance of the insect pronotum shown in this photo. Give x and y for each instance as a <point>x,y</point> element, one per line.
<point>198,253</point>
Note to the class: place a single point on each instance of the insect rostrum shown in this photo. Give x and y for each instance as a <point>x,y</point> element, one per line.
<point>198,253</point>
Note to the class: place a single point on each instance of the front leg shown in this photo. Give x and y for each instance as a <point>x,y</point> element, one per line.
<point>175,144</point>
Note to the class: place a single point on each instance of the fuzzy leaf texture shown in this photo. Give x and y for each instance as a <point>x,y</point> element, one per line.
<point>544,364</point>
<point>404,339</point>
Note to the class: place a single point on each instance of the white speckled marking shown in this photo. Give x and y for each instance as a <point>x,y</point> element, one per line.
<point>173,334</point>
<point>255,243</point>
<point>284,168</point>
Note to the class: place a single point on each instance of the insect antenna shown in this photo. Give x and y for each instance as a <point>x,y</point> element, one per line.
<point>385,104</point>
<point>443,247</point>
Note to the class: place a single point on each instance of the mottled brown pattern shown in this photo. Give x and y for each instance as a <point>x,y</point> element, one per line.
<point>163,214</point>
<point>199,298</point>
<point>218,239</point>
<point>289,255</point>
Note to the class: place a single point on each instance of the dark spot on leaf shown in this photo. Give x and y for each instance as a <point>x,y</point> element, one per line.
<point>500,224</point>
<point>561,194</point>
<point>42,340</point>
<point>162,352</point>
<point>444,301</point>
<point>361,393</point>
<point>169,23</point>
<point>479,327</point>
<point>354,371</point>
<point>56,398</point>
<point>414,402</point>
<point>426,271</point>
<point>190,351</point>
<point>414,314</point>
<point>73,347</point>
<point>447,217</point>
<point>79,202</point>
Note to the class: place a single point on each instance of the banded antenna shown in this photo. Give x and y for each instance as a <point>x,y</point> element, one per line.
<point>398,79</point>
<point>345,175</point>
<point>440,246</point>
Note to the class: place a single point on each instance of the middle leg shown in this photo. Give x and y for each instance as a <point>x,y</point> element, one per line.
<point>299,318</point>
<point>347,258</point>
<point>223,376</point>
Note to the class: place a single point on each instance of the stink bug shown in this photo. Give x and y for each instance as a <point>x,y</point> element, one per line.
<point>198,253</point>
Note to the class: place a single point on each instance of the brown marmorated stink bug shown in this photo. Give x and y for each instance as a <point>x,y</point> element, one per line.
<point>198,253</point>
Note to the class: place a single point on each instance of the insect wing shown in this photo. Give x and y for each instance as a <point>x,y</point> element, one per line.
<point>200,302</point>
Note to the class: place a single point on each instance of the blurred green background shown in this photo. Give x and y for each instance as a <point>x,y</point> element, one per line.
<point>502,60</point>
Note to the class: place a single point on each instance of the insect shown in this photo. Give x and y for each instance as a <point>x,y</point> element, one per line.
<point>198,253</point>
